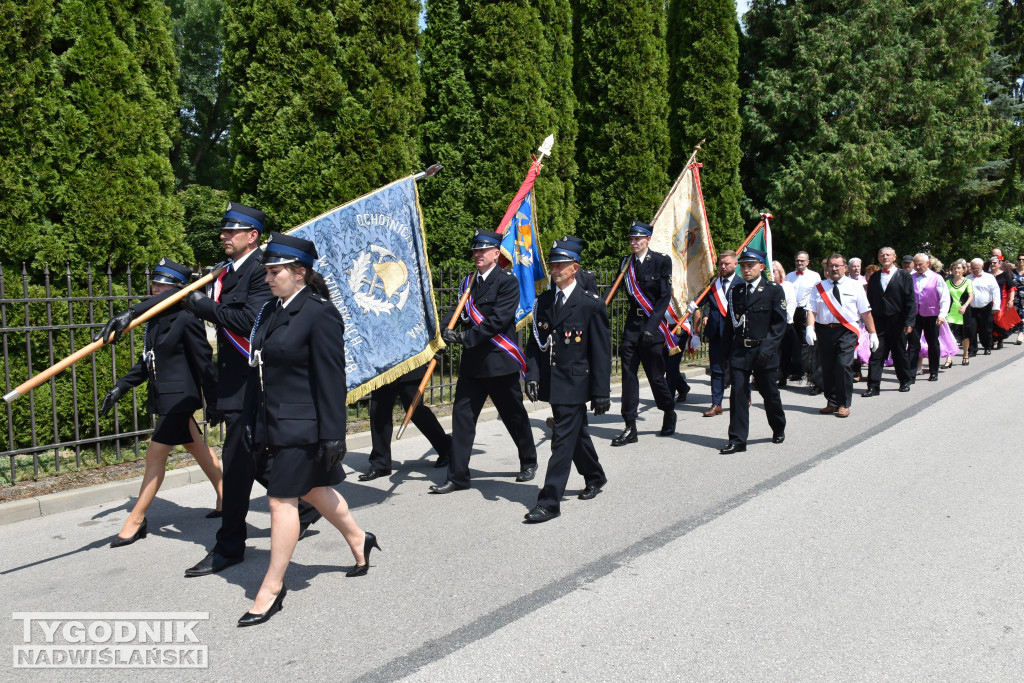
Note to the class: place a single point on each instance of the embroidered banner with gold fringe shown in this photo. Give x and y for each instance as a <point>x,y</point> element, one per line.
<point>373,256</point>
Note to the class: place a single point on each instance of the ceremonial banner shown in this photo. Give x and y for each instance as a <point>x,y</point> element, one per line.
<point>373,257</point>
<point>520,246</point>
<point>681,231</point>
<point>762,241</point>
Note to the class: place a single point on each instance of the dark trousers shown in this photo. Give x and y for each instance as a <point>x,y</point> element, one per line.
<point>570,445</point>
<point>240,471</point>
<point>787,349</point>
<point>891,339</point>
<point>674,378</point>
<point>796,360</point>
<point>926,325</point>
<point>633,354</point>
<point>982,324</point>
<point>739,397</point>
<point>718,360</point>
<point>507,395</point>
<point>836,348</point>
<point>382,403</point>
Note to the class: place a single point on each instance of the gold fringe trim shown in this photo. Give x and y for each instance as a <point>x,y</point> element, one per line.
<point>389,376</point>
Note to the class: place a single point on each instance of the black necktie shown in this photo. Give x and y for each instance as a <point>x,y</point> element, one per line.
<point>835,292</point>
<point>559,299</point>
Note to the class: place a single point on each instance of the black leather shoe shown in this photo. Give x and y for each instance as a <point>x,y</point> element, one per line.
<point>540,514</point>
<point>872,391</point>
<point>815,390</point>
<point>141,532</point>
<point>213,563</point>
<point>369,544</point>
<point>731,448</point>
<point>374,474</point>
<point>934,377</point>
<point>527,473</point>
<point>668,425</point>
<point>628,435</point>
<point>442,461</point>
<point>550,422</point>
<point>589,493</point>
<point>778,438</point>
<point>250,619</point>
<point>213,514</point>
<point>683,393</point>
<point>905,387</point>
<point>988,352</point>
<point>447,487</point>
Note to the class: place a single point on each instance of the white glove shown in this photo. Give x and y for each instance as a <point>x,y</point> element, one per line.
<point>691,308</point>
<point>810,336</point>
<point>873,342</point>
<point>694,343</point>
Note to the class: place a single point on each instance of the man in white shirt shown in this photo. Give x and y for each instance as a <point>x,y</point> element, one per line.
<point>803,280</point>
<point>838,306</point>
<point>932,307</point>
<point>987,298</point>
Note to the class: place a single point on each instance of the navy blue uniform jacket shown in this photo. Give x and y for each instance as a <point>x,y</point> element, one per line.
<point>578,365</point>
<point>302,400</point>
<point>497,299</point>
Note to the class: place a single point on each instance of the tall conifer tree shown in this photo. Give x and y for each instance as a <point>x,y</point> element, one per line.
<point>865,121</point>
<point>327,99</point>
<point>492,73</point>
<point>704,100</point>
<point>621,80</point>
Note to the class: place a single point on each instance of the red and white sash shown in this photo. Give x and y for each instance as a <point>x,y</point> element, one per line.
<point>499,340</point>
<point>633,287</point>
<point>719,295</point>
<point>836,309</point>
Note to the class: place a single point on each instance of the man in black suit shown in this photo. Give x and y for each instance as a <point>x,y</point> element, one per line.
<point>238,294</point>
<point>894,308</point>
<point>718,328</point>
<point>491,366</point>
<point>382,403</point>
<point>569,360</point>
<point>757,309</point>
<point>648,277</point>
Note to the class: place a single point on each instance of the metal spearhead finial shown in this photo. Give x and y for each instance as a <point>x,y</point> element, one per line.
<point>545,147</point>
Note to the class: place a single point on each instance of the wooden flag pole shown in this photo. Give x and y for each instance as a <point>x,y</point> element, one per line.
<point>545,150</point>
<point>433,363</point>
<point>92,348</point>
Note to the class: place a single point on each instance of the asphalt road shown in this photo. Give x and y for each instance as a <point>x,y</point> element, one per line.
<point>881,546</point>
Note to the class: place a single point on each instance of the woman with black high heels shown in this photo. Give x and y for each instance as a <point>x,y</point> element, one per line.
<point>296,412</point>
<point>177,362</point>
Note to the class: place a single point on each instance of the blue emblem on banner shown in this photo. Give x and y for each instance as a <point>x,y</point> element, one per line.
<point>373,257</point>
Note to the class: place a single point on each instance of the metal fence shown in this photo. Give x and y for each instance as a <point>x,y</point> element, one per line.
<point>45,316</point>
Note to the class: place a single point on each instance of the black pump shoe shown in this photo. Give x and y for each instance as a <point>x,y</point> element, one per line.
<point>250,619</point>
<point>141,533</point>
<point>361,569</point>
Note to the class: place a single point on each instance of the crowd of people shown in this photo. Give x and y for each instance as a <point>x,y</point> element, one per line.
<point>281,360</point>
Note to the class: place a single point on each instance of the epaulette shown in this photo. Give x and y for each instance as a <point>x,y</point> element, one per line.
<point>317,298</point>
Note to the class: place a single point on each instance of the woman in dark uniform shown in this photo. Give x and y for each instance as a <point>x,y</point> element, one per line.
<point>178,363</point>
<point>297,412</point>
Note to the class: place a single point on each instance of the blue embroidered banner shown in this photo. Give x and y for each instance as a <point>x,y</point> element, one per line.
<point>373,256</point>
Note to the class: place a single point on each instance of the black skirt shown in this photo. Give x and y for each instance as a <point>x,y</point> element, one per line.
<point>173,429</point>
<point>294,471</point>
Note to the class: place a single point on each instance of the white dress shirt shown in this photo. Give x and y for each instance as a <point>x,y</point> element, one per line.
<point>852,298</point>
<point>986,291</point>
<point>804,283</point>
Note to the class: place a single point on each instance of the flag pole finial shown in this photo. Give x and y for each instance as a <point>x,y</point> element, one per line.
<point>545,147</point>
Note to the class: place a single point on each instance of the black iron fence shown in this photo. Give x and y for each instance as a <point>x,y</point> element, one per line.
<point>45,316</point>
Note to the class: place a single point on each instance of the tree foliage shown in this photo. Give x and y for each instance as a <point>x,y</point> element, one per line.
<point>495,74</point>
<point>865,122</point>
<point>704,99</point>
<point>322,114</point>
<point>620,77</point>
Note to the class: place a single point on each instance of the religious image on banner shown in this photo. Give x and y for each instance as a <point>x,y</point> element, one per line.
<point>520,246</point>
<point>373,257</point>
<point>681,231</point>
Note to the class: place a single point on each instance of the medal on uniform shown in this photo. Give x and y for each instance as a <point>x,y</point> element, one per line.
<point>567,333</point>
<point>578,336</point>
